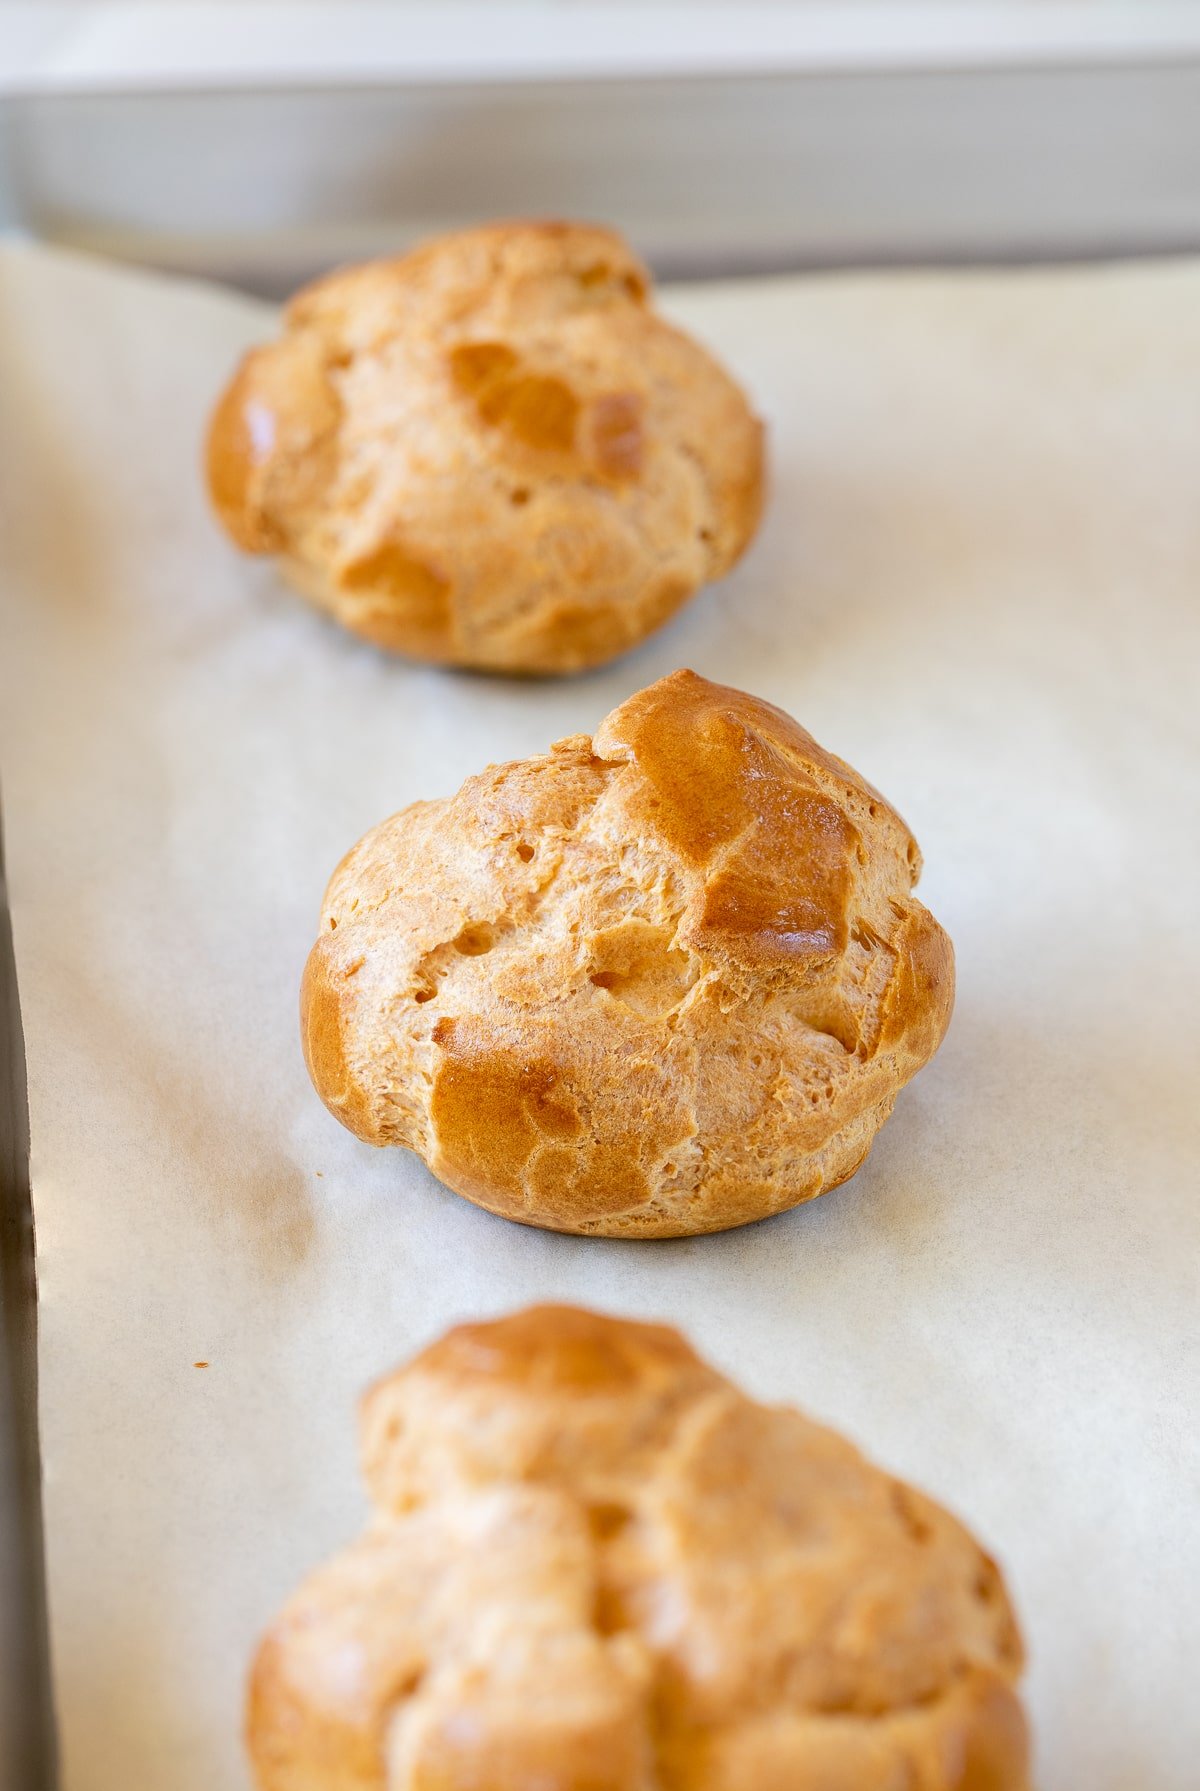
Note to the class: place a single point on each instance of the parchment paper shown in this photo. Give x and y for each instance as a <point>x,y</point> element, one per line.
<point>978,581</point>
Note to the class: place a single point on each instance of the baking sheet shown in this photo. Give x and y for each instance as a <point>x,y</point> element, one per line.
<point>26,1728</point>
<point>977,581</point>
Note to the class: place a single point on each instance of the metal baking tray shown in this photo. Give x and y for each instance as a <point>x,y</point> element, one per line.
<point>263,142</point>
<point>26,1724</point>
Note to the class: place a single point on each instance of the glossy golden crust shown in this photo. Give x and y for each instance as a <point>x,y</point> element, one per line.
<point>594,1565</point>
<point>664,981</point>
<point>490,452</point>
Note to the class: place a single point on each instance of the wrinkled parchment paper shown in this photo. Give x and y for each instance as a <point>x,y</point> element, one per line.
<point>978,581</point>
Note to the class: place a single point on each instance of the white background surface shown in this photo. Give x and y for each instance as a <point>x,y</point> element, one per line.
<point>977,581</point>
<point>50,47</point>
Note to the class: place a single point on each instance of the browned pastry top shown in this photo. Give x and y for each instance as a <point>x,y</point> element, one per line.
<point>594,1565</point>
<point>661,981</point>
<point>492,451</point>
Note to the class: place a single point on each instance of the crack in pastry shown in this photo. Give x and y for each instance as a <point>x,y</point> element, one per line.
<point>594,1565</point>
<point>490,452</point>
<point>662,981</point>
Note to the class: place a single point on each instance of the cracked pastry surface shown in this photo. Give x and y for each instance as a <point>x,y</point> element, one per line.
<point>594,1565</point>
<point>662,981</point>
<point>490,452</point>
